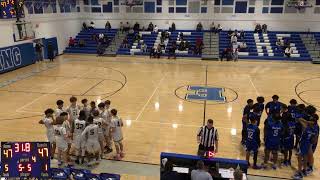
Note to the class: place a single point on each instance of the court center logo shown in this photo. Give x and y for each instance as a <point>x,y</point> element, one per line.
<point>212,94</point>
<point>203,93</point>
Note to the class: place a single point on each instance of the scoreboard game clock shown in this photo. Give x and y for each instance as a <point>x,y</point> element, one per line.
<point>25,159</point>
<point>8,8</point>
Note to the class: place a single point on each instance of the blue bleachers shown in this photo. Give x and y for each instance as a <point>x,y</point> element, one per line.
<point>90,44</point>
<point>254,48</point>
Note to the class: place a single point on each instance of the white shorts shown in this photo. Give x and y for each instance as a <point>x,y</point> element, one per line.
<point>78,142</point>
<point>51,138</point>
<point>117,137</point>
<point>93,147</point>
<point>63,146</point>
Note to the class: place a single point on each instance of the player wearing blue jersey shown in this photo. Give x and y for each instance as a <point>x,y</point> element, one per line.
<point>300,112</point>
<point>287,141</point>
<point>272,131</point>
<point>292,108</point>
<point>260,106</point>
<point>304,147</point>
<point>273,106</point>
<point>253,142</point>
<point>246,111</point>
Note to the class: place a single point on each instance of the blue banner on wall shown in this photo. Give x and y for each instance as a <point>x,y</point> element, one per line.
<point>14,57</point>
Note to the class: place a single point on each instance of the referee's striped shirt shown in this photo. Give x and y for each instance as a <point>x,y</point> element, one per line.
<point>208,136</point>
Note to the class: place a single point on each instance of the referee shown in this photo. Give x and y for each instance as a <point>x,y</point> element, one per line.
<point>207,138</point>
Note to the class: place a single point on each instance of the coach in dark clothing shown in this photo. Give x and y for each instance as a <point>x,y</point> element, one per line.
<point>207,138</point>
<point>168,173</point>
<point>50,52</point>
<point>39,51</point>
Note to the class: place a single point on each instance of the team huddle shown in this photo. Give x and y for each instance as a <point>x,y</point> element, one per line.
<point>286,128</point>
<point>88,131</point>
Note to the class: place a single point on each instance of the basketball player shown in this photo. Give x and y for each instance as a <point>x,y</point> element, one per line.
<point>93,107</point>
<point>304,147</point>
<point>246,112</point>
<point>68,128</point>
<point>73,109</point>
<point>253,142</point>
<point>108,135</point>
<point>79,144</point>
<point>289,128</point>
<point>300,113</point>
<point>116,129</point>
<point>314,143</point>
<point>260,106</point>
<point>91,136</point>
<point>85,108</point>
<point>292,108</point>
<point>273,132</point>
<point>99,121</point>
<point>61,139</point>
<point>273,106</point>
<point>49,121</point>
<point>59,109</point>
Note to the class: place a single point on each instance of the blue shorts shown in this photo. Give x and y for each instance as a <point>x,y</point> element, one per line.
<point>273,146</point>
<point>251,147</point>
<point>288,143</point>
<point>303,149</point>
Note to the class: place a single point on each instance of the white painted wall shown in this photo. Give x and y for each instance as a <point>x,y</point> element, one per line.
<point>58,25</point>
<point>276,22</point>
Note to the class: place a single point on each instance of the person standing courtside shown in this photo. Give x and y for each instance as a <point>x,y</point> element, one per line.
<point>38,49</point>
<point>207,138</point>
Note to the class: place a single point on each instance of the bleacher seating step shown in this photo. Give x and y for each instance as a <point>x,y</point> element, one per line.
<point>316,61</point>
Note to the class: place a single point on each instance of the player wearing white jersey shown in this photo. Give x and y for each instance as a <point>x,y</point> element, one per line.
<point>73,109</point>
<point>91,136</point>
<point>49,122</point>
<point>61,139</point>
<point>116,130</point>
<point>59,109</point>
<point>67,125</point>
<point>99,121</point>
<point>107,135</point>
<point>79,144</point>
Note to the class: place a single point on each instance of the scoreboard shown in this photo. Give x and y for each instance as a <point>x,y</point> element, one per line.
<point>7,8</point>
<point>25,159</point>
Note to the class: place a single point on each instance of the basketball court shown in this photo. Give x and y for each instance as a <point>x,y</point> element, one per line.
<point>154,98</point>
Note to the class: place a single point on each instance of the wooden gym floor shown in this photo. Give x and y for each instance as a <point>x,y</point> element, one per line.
<point>149,95</point>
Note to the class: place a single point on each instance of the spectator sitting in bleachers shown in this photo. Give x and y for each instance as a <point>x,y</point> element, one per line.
<point>137,38</point>
<point>242,46</point>
<point>199,46</point>
<point>92,25</point>
<point>286,42</point>
<point>264,28</point>
<point>150,27</point>
<point>234,39</point>
<point>227,53</point>
<point>182,46</point>
<point>241,35</point>
<point>71,42</point>
<point>166,35</point>
<point>108,25</point>
<point>173,27</point>
<point>199,27</point>
<point>84,26</point>
<point>143,47</point>
<point>230,32</point>
<point>258,29</point>
<point>101,36</point>
<point>131,32</point>
<point>212,27</point>
<point>126,27</point>
<point>162,45</point>
<point>280,44</point>
<point>288,51</point>
<point>172,51</point>
<point>218,29</point>
<point>82,43</point>
<point>136,26</point>
<point>121,27</point>
<point>125,43</point>
<point>106,39</point>
<point>155,29</point>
